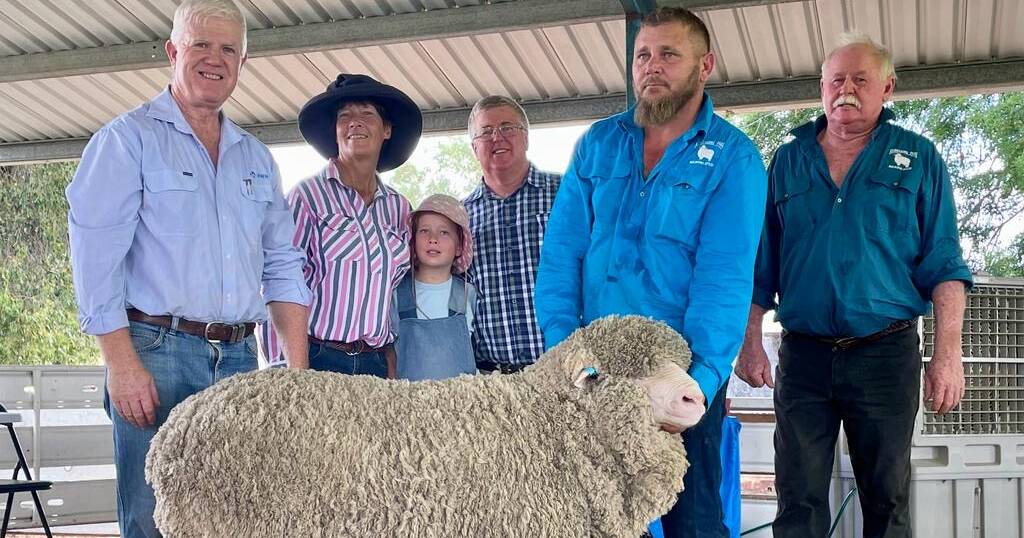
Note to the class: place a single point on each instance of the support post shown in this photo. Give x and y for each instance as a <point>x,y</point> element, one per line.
<point>635,11</point>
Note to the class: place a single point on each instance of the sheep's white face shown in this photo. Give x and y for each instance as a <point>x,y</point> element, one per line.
<point>677,402</point>
<point>676,399</point>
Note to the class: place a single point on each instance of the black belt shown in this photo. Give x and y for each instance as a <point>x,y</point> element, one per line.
<point>214,331</point>
<point>502,367</point>
<point>856,341</point>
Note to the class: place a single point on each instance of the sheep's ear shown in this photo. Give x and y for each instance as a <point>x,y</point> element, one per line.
<point>585,375</point>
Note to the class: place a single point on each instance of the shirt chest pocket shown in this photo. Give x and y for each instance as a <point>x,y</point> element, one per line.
<point>793,207</point>
<point>260,191</point>
<point>341,238</point>
<point>257,194</point>
<point>527,234</point>
<point>608,178</point>
<point>171,203</point>
<point>398,247</point>
<point>892,207</point>
<point>687,198</point>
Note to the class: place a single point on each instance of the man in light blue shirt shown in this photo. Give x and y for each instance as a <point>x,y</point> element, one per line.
<point>177,222</point>
<point>660,214</point>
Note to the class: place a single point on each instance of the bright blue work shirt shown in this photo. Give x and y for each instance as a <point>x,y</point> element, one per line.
<point>850,260</point>
<point>677,246</point>
<point>155,226</point>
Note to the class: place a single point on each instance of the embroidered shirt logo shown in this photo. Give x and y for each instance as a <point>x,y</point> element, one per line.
<point>902,159</point>
<point>706,152</point>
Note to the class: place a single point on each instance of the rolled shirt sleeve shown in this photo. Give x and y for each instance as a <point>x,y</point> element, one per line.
<point>282,259</point>
<point>941,259</point>
<point>104,199</point>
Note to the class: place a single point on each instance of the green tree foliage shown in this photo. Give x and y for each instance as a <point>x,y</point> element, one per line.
<point>981,139</point>
<point>38,317</point>
<point>451,169</point>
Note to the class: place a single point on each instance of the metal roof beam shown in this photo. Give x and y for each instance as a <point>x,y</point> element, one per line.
<point>710,5</point>
<point>342,34</point>
<point>345,34</point>
<point>911,83</point>
<point>919,82</point>
<point>447,121</point>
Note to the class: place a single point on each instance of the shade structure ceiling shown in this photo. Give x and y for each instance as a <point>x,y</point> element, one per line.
<point>68,66</point>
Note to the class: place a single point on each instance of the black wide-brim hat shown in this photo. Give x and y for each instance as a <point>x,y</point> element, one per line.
<point>318,118</point>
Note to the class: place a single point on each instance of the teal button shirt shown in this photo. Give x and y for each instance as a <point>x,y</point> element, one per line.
<point>677,245</point>
<point>850,260</point>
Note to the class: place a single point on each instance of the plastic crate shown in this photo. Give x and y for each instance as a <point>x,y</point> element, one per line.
<point>993,320</point>
<point>948,508</point>
<point>993,402</point>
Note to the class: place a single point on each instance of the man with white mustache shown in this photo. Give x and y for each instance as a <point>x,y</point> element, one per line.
<point>180,241</point>
<point>659,214</point>
<point>860,235</point>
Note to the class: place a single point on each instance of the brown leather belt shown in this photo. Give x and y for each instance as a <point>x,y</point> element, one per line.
<point>856,341</point>
<point>351,348</point>
<point>213,331</point>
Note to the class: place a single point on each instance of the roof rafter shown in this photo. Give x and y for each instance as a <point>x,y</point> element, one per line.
<point>918,82</point>
<point>350,33</point>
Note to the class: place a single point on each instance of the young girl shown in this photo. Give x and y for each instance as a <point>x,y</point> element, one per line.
<point>434,302</point>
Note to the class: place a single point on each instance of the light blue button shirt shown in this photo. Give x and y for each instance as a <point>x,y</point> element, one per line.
<point>154,225</point>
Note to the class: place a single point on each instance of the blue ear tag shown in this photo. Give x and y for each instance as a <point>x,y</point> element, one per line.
<point>588,372</point>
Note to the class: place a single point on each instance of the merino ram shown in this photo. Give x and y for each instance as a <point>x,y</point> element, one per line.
<point>569,447</point>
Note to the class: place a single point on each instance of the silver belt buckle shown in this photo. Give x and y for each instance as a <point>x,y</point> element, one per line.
<point>234,332</point>
<point>356,350</point>
<point>842,343</point>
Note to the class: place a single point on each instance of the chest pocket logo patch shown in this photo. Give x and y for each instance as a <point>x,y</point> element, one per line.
<point>902,159</point>
<point>706,153</point>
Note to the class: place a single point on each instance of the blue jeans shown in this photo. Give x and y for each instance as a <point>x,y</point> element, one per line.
<point>181,365</point>
<point>698,510</point>
<point>328,359</point>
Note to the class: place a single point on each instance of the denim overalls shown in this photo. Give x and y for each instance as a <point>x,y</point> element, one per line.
<point>433,348</point>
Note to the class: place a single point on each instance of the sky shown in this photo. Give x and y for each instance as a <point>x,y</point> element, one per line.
<point>550,149</point>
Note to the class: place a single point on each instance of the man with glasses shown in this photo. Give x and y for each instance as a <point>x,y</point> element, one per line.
<point>507,214</point>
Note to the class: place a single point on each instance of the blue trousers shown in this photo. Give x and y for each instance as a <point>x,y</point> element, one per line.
<point>181,365</point>
<point>698,510</point>
<point>328,359</point>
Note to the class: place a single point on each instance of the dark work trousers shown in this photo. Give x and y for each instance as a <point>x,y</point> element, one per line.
<point>873,390</point>
<point>698,510</point>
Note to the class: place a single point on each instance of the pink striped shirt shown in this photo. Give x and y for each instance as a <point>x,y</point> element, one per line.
<point>355,256</point>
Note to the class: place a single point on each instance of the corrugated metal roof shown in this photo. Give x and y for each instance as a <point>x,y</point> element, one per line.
<point>769,42</point>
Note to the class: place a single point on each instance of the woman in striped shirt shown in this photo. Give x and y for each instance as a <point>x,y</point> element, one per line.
<point>352,227</point>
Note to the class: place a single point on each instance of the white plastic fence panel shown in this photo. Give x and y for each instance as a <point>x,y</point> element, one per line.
<point>757,448</point>
<point>8,458</point>
<point>77,389</point>
<point>62,446</point>
<point>13,393</point>
<point>71,503</point>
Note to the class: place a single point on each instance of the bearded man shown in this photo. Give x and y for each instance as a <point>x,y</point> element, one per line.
<point>659,214</point>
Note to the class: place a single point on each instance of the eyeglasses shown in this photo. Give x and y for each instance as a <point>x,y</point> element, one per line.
<point>506,130</point>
